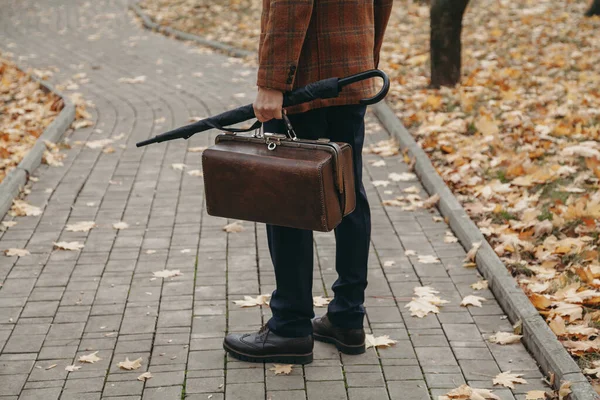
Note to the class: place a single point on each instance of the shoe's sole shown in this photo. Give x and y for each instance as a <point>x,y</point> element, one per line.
<point>344,348</point>
<point>272,358</point>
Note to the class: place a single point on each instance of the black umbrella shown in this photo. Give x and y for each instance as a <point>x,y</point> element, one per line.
<point>324,89</point>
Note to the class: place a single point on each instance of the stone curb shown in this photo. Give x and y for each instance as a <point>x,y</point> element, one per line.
<point>17,178</point>
<point>537,336</point>
<point>148,23</point>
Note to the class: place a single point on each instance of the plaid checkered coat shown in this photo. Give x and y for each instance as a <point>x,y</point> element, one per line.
<point>303,41</point>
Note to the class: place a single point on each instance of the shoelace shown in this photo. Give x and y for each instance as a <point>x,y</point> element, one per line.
<point>264,332</point>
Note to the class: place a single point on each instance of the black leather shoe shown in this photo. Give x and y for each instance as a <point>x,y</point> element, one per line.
<point>266,346</point>
<point>348,341</point>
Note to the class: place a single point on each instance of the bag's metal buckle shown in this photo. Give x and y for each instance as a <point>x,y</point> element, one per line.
<point>273,140</point>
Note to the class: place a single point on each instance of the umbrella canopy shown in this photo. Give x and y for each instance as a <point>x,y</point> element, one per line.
<point>323,89</point>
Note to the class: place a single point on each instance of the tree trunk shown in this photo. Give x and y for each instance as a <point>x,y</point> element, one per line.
<point>594,9</point>
<point>446,27</point>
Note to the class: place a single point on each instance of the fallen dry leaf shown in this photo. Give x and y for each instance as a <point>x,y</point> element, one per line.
<point>51,366</point>
<point>557,325</point>
<point>16,252</point>
<point>472,300</point>
<point>595,370</point>
<point>389,263</point>
<point>9,224</point>
<point>249,301</point>
<point>450,238</point>
<point>428,259</point>
<point>384,148</point>
<point>22,209</point>
<point>507,379</point>
<point>420,307</point>
<point>282,369</point>
<point>83,226</point>
<point>195,172</point>
<point>432,201</point>
<point>574,312</point>
<point>98,144</point>
<point>473,252</point>
<point>72,368</point>
<point>234,227</point>
<point>535,395</point>
<point>145,376</point>
<point>319,301</point>
<point>380,183</point>
<point>379,341</point>
<point>53,159</point>
<point>166,273</point>
<point>72,246</point>
<point>564,390</point>
<point>120,225</point>
<point>137,79</point>
<point>480,285</point>
<point>90,358</point>
<point>465,392</point>
<point>403,177</point>
<point>178,167</point>
<point>82,123</point>
<point>426,302</point>
<point>410,253</point>
<point>130,365</point>
<point>504,338</point>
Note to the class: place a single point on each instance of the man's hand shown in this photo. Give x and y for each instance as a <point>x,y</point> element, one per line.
<point>268,104</point>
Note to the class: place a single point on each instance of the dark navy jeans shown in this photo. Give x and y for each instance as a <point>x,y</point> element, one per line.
<point>292,249</point>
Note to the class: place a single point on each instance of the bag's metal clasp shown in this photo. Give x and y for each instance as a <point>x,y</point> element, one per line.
<point>273,139</point>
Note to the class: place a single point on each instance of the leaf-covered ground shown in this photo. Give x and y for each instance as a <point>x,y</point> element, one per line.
<point>235,22</point>
<point>25,111</point>
<point>517,141</point>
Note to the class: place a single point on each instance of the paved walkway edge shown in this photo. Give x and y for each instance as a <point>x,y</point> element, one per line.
<point>18,177</point>
<point>150,24</point>
<point>537,336</point>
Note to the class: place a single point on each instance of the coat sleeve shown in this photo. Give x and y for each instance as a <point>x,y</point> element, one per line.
<point>382,11</point>
<point>283,28</point>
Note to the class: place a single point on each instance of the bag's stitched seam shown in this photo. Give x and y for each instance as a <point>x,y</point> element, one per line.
<point>322,197</point>
<point>343,183</point>
<point>204,180</point>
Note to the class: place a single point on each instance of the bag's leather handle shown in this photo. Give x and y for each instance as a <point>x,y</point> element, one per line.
<point>257,124</point>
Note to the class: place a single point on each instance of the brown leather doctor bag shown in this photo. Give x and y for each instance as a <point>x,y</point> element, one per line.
<point>279,180</point>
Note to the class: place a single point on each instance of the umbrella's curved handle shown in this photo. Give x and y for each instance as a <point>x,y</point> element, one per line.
<point>366,75</point>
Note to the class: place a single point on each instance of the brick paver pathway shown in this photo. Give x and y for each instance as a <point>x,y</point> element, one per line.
<point>58,305</point>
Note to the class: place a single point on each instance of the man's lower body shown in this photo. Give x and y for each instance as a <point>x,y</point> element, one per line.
<point>288,335</point>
